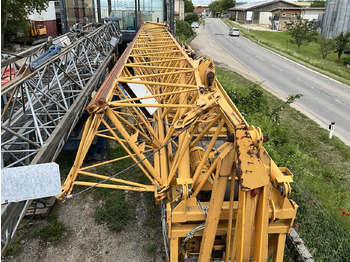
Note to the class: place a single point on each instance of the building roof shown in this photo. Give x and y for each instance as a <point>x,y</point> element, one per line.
<point>255,4</point>
<point>304,4</point>
<point>286,8</point>
<point>297,8</point>
<point>199,10</point>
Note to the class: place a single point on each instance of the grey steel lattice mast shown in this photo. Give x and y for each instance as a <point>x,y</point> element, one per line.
<point>44,106</point>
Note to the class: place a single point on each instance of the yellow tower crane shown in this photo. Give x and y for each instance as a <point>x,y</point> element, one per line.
<point>222,196</point>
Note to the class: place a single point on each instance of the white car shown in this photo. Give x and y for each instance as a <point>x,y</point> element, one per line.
<point>234,31</point>
<point>194,25</point>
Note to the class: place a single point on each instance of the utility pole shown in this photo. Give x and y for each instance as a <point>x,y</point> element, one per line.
<point>99,11</point>
<point>172,18</point>
<point>136,20</point>
<point>63,16</point>
<point>109,7</point>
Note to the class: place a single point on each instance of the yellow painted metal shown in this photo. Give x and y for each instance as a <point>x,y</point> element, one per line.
<point>261,226</point>
<point>238,250</point>
<point>116,104</point>
<point>188,138</point>
<point>229,241</point>
<point>222,174</point>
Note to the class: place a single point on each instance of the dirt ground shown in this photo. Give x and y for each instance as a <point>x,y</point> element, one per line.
<point>85,239</point>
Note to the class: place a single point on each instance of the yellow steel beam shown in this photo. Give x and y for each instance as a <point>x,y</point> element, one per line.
<point>125,80</point>
<point>120,187</point>
<point>154,96</point>
<point>188,143</point>
<point>222,174</point>
<point>119,104</point>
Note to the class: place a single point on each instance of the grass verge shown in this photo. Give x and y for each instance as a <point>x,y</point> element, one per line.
<point>309,56</point>
<point>115,211</point>
<point>52,232</point>
<point>15,247</point>
<point>321,167</point>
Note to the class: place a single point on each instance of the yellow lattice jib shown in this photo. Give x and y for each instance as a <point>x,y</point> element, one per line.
<point>221,193</point>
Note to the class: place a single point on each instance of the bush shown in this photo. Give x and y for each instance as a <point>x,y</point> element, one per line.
<point>191,18</point>
<point>346,60</point>
<point>183,30</point>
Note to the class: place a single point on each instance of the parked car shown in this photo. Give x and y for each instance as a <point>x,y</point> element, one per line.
<point>234,31</point>
<point>194,25</point>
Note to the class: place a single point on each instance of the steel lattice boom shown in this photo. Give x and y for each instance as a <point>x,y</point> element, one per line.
<point>44,104</point>
<point>39,101</point>
<point>221,194</point>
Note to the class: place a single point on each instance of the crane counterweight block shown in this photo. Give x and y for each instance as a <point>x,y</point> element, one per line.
<point>222,197</point>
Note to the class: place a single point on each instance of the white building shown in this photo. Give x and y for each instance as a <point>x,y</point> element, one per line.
<point>180,8</point>
<point>312,13</point>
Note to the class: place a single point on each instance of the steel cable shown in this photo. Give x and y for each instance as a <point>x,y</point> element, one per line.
<point>133,165</point>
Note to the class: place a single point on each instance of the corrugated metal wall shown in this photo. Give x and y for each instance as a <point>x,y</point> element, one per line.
<point>336,18</point>
<point>51,27</point>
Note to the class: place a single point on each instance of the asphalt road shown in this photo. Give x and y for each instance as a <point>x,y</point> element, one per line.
<point>324,100</point>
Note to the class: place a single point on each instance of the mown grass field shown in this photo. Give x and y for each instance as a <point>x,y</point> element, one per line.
<point>309,55</point>
<point>321,166</point>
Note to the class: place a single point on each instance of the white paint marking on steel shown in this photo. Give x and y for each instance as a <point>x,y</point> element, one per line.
<point>141,90</point>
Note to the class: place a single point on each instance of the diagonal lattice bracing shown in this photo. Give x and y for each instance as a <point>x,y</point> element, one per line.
<point>37,102</point>
<point>43,106</point>
<point>167,116</point>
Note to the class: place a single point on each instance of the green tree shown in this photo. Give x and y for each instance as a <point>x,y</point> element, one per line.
<point>191,18</point>
<point>189,6</point>
<point>341,42</point>
<point>226,4</point>
<point>14,15</point>
<point>183,30</point>
<point>318,3</point>
<point>215,7</point>
<point>301,32</point>
<point>326,45</point>
<point>221,6</point>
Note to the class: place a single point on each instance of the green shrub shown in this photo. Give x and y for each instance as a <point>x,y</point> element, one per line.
<point>183,30</point>
<point>346,60</point>
<point>191,18</point>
